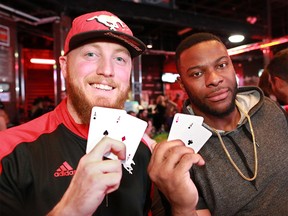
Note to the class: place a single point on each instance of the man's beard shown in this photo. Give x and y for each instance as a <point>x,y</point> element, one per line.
<point>83,105</point>
<point>209,109</point>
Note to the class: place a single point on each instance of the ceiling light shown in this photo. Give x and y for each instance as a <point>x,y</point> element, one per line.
<point>150,43</point>
<point>42,61</point>
<point>236,38</point>
<point>255,46</point>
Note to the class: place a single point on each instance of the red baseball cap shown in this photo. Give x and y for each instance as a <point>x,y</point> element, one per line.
<point>102,25</point>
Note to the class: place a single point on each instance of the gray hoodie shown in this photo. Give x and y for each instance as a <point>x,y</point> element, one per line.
<point>221,189</point>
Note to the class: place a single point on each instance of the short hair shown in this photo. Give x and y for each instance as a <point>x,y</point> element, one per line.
<point>278,66</point>
<point>193,40</point>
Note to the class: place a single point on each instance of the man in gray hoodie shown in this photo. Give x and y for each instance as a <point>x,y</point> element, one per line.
<point>243,167</point>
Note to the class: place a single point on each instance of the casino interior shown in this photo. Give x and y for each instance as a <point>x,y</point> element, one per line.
<point>32,34</point>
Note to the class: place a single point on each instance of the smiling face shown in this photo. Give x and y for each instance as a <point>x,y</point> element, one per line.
<point>97,74</point>
<point>208,76</point>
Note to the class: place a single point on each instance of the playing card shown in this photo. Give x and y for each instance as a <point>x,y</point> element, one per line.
<point>130,130</point>
<point>189,129</point>
<point>187,119</point>
<point>102,123</point>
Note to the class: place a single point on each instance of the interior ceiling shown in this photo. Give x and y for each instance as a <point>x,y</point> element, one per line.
<point>163,22</point>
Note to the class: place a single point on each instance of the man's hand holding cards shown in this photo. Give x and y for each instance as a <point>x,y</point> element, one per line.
<point>189,129</point>
<point>118,125</point>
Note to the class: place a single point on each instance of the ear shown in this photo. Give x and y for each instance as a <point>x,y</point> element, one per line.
<point>179,80</point>
<point>278,82</point>
<point>63,65</point>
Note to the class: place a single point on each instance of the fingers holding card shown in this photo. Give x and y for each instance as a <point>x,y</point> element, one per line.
<point>189,129</point>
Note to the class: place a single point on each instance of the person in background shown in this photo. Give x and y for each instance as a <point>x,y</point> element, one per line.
<point>4,118</point>
<point>179,101</point>
<point>47,104</point>
<point>44,166</point>
<point>159,116</point>
<point>265,85</point>
<point>242,169</point>
<point>278,76</point>
<point>149,132</point>
<point>171,110</point>
<point>143,114</point>
<point>131,112</point>
<point>37,108</point>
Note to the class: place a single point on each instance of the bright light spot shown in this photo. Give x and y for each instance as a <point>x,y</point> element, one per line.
<point>149,46</point>
<point>236,38</point>
<point>169,77</point>
<point>42,61</point>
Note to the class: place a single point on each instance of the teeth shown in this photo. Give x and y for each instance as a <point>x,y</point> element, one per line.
<point>102,87</point>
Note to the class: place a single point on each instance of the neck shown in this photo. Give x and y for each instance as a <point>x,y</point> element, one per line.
<point>73,112</point>
<point>225,123</point>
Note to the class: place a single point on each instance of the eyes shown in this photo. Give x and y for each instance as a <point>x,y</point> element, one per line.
<point>105,52</point>
<point>200,71</point>
<point>120,58</point>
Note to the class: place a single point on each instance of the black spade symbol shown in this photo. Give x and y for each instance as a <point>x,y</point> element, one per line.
<point>190,142</point>
<point>105,133</point>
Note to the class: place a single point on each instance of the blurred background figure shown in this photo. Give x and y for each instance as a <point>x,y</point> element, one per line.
<point>47,104</point>
<point>149,133</point>
<point>265,85</point>
<point>179,101</point>
<point>131,112</point>
<point>171,110</point>
<point>278,76</point>
<point>143,114</point>
<point>159,117</point>
<point>4,118</point>
<point>37,108</point>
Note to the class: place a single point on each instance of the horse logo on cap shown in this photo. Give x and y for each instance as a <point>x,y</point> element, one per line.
<point>109,21</point>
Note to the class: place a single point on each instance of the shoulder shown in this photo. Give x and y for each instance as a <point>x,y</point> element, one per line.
<point>27,132</point>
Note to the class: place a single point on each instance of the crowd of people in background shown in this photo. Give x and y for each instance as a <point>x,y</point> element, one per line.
<point>159,117</point>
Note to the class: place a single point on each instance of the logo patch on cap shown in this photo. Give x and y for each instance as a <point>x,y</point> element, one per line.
<point>110,21</point>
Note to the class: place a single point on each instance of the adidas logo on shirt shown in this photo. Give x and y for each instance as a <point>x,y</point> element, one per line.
<point>64,170</point>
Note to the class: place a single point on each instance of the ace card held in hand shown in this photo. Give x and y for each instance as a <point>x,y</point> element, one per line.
<point>103,122</point>
<point>189,129</point>
<point>118,125</point>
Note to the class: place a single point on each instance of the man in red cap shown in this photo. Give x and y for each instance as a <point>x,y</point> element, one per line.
<point>44,168</point>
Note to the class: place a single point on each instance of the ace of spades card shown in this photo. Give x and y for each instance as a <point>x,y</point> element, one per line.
<point>102,123</point>
<point>189,129</point>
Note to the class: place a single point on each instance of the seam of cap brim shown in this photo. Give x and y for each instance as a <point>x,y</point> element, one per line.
<point>87,36</point>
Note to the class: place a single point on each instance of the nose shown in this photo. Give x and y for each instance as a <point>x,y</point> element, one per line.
<point>213,77</point>
<point>105,68</point>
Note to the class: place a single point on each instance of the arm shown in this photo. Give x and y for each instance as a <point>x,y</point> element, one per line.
<point>2,123</point>
<point>169,170</point>
<point>93,180</point>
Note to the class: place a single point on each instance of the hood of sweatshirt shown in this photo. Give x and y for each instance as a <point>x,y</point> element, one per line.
<point>250,98</point>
